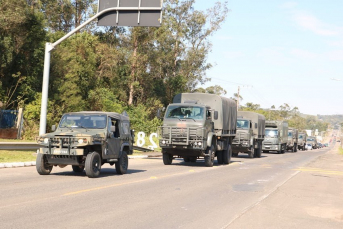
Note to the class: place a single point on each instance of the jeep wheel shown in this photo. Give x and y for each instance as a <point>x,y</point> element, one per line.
<point>78,169</point>
<point>122,164</point>
<point>220,157</point>
<point>167,158</point>
<point>93,165</point>
<point>210,158</point>
<point>42,166</point>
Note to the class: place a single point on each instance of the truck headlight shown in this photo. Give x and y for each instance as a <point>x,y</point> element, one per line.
<point>46,140</point>
<point>199,143</point>
<point>163,142</point>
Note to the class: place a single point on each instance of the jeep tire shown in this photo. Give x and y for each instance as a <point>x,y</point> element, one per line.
<point>93,165</point>
<point>42,166</point>
<point>122,164</point>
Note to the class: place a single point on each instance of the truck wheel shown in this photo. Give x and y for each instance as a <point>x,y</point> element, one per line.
<point>220,157</point>
<point>227,155</point>
<point>78,169</point>
<point>258,151</point>
<point>251,152</point>
<point>167,158</point>
<point>193,159</point>
<point>42,166</point>
<point>210,158</point>
<point>93,165</point>
<point>186,159</point>
<point>295,148</point>
<point>122,164</point>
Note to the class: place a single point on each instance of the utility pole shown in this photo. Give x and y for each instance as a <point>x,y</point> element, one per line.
<point>238,98</point>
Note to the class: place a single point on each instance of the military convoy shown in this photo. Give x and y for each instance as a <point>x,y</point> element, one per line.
<point>87,140</point>
<point>302,140</point>
<point>276,136</point>
<point>194,125</point>
<point>292,141</point>
<point>198,125</point>
<point>249,135</point>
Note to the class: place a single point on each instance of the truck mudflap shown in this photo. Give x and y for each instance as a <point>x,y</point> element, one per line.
<point>62,151</point>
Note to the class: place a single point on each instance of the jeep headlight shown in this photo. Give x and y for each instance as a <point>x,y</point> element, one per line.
<point>46,140</point>
<point>82,140</point>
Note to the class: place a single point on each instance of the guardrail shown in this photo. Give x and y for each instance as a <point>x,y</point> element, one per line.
<point>19,145</point>
<point>35,146</point>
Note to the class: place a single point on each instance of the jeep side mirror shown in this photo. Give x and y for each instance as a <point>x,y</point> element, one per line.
<point>113,129</point>
<point>215,115</point>
<point>53,128</point>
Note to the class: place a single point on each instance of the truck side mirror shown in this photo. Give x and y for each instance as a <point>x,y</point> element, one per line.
<point>255,125</point>
<point>215,115</point>
<point>53,128</point>
<point>113,129</point>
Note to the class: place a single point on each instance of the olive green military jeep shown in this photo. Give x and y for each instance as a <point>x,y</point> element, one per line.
<point>86,140</point>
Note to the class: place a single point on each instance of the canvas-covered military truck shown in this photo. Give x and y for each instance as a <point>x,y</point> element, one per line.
<point>249,135</point>
<point>198,125</point>
<point>313,141</point>
<point>292,141</point>
<point>86,140</point>
<point>302,140</point>
<point>276,136</point>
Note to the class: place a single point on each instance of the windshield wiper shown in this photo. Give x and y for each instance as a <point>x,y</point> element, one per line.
<point>190,118</point>
<point>175,117</point>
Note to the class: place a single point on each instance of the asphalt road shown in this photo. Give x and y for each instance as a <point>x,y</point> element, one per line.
<point>151,195</point>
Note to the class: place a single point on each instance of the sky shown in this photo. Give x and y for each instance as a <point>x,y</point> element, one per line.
<point>280,51</point>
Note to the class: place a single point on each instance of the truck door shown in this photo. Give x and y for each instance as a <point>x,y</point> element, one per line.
<point>114,140</point>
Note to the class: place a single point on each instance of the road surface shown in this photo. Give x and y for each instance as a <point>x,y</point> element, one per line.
<point>244,194</point>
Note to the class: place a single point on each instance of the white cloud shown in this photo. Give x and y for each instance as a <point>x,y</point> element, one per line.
<point>336,55</point>
<point>303,53</point>
<point>311,23</point>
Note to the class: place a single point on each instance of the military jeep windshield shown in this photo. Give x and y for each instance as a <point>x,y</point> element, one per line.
<point>83,121</point>
<point>192,112</point>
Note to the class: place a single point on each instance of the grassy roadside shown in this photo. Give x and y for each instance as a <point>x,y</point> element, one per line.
<point>15,140</point>
<point>7,156</point>
<point>340,150</point>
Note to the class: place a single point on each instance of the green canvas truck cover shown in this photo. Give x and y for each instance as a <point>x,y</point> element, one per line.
<point>255,118</point>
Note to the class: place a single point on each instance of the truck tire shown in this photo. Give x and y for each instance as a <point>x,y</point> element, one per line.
<point>122,164</point>
<point>167,158</point>
<point>295,148</point>
<point>193,159</point>
<point>78,169</point>
<point>251,152</point>
<point>220,157</point>
<point>210,158</point>
<point>93,165</point>
<point>258,151</point>
<point>227,155</point>
<point>186,159</point>
<point>42,166</point>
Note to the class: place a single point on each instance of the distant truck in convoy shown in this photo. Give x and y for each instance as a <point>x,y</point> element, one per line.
<point>198,125</point>
<point>302,140</point>
<point>292,141</point>
<point>276,135</point>
<point>250,134</point>
<point>313,141</point>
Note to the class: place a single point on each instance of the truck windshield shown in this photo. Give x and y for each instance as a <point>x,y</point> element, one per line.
<point>271,133</point>
<point>289,134</point>
<point>310,139</point>
<point>192,112</point>
<point>243,124</point>
<point>83,121</point>
<point>300,137</point>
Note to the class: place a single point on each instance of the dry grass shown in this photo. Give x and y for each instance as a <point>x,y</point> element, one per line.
<point>17,156</point>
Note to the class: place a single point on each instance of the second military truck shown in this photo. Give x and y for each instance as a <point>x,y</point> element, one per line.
<point>198,125</point>
<point>292,141</point>
<point>276,136</point>
<point>250,134</point>
<point>302,140</point>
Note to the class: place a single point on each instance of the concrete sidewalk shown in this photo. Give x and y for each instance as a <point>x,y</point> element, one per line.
<point>312,198</point>
<point>33,163</point>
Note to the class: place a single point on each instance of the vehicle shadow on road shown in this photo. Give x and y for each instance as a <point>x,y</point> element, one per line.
<point>107,172</point>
